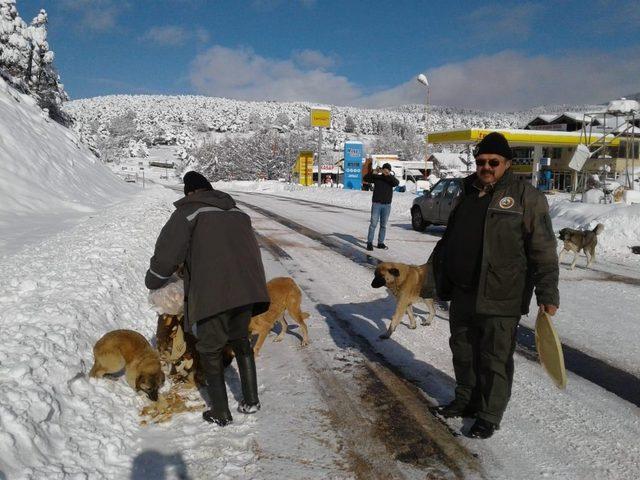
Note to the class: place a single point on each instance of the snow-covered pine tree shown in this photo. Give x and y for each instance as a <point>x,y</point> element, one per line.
<point>349,124</point>
<point>14,46</point>
<point>42,77</point>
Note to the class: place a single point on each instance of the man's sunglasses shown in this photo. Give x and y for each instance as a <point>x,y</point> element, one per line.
<point>493,162</point>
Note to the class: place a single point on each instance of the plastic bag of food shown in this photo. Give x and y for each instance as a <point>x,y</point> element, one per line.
<point>168,300</point>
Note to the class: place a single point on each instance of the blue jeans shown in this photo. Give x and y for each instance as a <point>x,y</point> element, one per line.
<point>379,212</point>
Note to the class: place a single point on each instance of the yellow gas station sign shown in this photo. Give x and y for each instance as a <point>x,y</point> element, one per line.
<point>304,168</point>
<point>321,117</point>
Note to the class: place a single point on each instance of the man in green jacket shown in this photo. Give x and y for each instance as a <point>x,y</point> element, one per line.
<point>499,245</point>
<point>224,284</point>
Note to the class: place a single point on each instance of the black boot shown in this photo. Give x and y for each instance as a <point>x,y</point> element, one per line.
<point>482,429</point>
<point>382,246</point>
<point>248,378</point>
<point>455,409</point>
<point>370,247</point>
<point>221,420</point>
<point>217,390</point>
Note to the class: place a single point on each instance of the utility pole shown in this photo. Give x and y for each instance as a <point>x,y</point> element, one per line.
<point>422,79</point>
<point>321,118</point>
<point>318,155</point>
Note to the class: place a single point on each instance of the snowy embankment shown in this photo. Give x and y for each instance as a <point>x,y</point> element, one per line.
<point>48,176</point>
<point>621,221</point>
<point>55,302</point>
<point>58,299</point>
<point>621,225</point>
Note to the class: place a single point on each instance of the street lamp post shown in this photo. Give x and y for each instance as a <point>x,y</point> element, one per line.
<point>422,80</point>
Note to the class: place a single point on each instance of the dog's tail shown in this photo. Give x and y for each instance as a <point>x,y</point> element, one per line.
<point>598,230</point>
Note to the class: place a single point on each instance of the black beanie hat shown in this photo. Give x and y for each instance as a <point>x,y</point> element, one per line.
<point>387,166</point>
<point>195,181</point>
<point>494,143</point>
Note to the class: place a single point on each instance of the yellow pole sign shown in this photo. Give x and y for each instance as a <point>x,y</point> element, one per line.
<point>304,166</point>
<point>321,117</point>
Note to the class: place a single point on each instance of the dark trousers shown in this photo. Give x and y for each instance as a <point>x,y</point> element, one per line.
<point>482,348</point>
<point>213,333</point>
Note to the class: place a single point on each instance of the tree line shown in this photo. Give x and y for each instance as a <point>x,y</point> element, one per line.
<point>26,61</point>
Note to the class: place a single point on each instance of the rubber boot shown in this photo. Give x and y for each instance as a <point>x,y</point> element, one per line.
<point>217,391</point>
<point>247,368</point>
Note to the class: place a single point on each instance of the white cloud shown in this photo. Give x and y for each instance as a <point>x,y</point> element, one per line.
<point>170,35</point>
<point>497,20</point>
<point>507,80</point>
<point>313,59</point>
<point>241,73</point>
<point>174,35</point>
<point>510,80</point>
<point>95,15</point>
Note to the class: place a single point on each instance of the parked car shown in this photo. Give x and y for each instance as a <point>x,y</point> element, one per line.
<point>434,206</point>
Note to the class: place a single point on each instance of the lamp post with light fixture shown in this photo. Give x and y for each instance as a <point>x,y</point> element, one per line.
<point>422,80</point>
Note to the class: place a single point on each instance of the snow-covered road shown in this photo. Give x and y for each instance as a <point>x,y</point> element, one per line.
<point>58,296</point>
<point>599,307</point>
<point>541,420</point>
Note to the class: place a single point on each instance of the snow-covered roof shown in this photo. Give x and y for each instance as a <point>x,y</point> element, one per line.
<point>612,122</point>
<point>623,106</point>
<point>553,118</point>
<point>576,116</point>
<point>628,129</point>
<point>546,117</point>
<point>449,160</point>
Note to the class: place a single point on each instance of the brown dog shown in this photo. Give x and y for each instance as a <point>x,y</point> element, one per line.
<point>129,350</point>
<point>404,282</point>
<point>284,295</point>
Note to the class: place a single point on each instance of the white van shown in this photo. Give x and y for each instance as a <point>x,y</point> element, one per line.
<point>411,175</point>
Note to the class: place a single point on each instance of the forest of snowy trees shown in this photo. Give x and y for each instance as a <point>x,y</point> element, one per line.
<point>26,61</point>
<point>242,140</point>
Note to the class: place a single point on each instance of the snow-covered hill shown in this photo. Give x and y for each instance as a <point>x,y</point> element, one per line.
<point>46,171</point>
<point>179,119</point>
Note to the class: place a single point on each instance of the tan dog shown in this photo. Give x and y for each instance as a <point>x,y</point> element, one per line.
<point>284,295</point>
<point>129,350</point>
<point>576,240</point>
<point>404,282</point>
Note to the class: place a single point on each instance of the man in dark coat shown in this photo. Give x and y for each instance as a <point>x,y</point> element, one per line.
<point>499,245</point>
<point>224,285</point>
<point>383,185</point>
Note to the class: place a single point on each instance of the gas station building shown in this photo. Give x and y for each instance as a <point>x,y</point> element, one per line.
<point>536,150</point>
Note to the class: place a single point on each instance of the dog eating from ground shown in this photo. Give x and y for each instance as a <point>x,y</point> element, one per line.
<point>404,282</point>
<point>576,240</point>
<point>129,350</point>
<point>285,296</point>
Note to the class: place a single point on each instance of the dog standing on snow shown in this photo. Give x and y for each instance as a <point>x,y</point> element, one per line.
<point>576,240</point>
<point>404,283</point>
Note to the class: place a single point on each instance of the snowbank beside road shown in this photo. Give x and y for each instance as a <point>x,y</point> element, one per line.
<point>45,170</point>
<point>621,223</point>
<point>361,200</point>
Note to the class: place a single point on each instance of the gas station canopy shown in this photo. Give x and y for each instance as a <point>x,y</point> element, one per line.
<point>519,138</point>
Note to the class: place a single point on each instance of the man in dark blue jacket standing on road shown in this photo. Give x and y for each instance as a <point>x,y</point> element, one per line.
<point>383,185</point>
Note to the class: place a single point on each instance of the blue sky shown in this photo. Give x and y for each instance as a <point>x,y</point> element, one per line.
<point>485,55</point>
